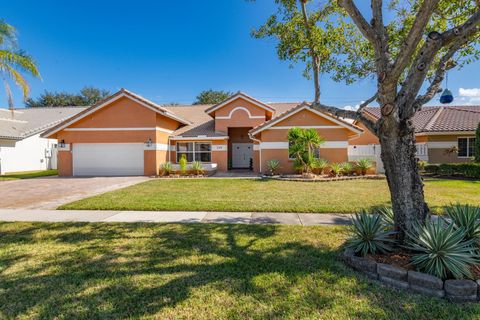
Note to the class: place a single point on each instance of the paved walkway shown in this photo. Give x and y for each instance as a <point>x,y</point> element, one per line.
<point>305,219</point>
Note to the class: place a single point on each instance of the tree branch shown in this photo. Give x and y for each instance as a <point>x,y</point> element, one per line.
<point>357,17</point>
<point>413,38</point>
<point>381,36</point>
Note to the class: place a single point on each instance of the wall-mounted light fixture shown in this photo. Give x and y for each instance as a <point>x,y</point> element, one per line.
<point>62,144</point>
<point>148,143</point>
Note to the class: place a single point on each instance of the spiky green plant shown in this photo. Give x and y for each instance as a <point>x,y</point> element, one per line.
<point>197,167</point>
<point>303,143</point>
<point>14,62</point>
<point>336,169</point>
<point>273,166</point>
<point>387,215</point>
<point>467,217</point>
<point>368,235</point>
<point>363,165</point>
<point>167,168</point>
<point>347,168</point>
<point>441,250</point>
<point>320,165</point>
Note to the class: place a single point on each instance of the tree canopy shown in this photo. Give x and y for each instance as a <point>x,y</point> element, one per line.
<point>212,96</point>
<point>14,62</point>
<point>86,97</point>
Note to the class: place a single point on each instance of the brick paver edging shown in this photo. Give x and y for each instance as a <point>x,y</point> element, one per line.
<point>418,282</point>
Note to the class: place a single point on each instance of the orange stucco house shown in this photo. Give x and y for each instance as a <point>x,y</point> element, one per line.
<point>126,134</point>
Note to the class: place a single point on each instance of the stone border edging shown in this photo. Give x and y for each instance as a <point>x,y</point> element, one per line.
<point>418,282</point>
<point>368,177</point>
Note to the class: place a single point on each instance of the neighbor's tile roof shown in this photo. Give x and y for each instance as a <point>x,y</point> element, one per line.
<point>30,121</point>
<point>441,118</point>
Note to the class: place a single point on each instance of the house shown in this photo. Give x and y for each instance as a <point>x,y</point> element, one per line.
<point>127,134</point>
<point>21,147</point>
<point>444,134</point>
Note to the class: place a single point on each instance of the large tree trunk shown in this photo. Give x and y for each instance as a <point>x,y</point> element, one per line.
<point>397,140</point>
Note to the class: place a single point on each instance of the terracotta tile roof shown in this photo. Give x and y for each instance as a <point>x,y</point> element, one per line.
<point>441,118</point>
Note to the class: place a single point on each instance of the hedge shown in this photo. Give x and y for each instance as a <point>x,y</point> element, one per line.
<point>468,170</point>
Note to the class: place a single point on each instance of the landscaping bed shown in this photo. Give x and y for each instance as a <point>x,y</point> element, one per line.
<point>323,178</point>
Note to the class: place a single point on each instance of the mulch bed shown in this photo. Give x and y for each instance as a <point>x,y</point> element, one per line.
<point>398,259</point>
<point>323,178</point>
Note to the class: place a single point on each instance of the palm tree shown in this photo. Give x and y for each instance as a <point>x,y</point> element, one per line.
<point>14,62</point>
<point>302,147</point>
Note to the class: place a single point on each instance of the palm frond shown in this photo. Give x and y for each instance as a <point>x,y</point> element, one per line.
<point>19,80</point>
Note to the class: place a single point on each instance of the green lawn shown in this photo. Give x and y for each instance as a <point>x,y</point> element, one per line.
<point>28,174</point>
<point>193,271</point>
<point>270,195</point>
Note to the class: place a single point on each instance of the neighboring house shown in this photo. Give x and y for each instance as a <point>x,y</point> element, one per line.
<point>126,134</point>
<point>21,147</point>
<point>444,134</point>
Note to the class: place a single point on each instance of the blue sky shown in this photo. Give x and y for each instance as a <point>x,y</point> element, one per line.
<point>169,51</point>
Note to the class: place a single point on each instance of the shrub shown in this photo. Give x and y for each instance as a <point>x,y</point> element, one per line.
<point>197,167</point>
<point>467,170</point>
<point>320,165</point>
<point>466,217</point>
<point>441,251</point>
<point>347,168</point>
<point>303,143</point>
<point>335,169</point>
<point>369,235</point>
<point>273,166</point>
<point>183,164</point>
<point>363,165</point>
<point>421,165</point>
<point>166,169</point>
<point>477,144</point>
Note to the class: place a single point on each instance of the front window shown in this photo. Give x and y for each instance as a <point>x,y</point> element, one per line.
<point>466,147</point>
<point>195,151</point>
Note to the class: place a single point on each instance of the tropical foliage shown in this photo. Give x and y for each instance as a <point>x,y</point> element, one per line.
<point>303,145</point>
<point>335,169</point>
<point>347,168</point>
<point>363,165</point>
<point>441,250</point>
<point>86,97</point>
<point>369,235</point>
<point>386,213</point>
<point>273,166</point>
<point>212,96</point>
<point>14,62</point>
<point>166,168</point>
<point>320,165</point>
<point>197,167</point>
<point>466,217</point>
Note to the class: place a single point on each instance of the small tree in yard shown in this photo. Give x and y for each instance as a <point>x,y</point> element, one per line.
<point>303,143</point>
<point>477,144</point>
<point>400,44</point>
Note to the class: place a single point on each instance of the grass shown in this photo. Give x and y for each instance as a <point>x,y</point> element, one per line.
<point>193,271</point>
<point>28,174</point>
<point>270,195</point>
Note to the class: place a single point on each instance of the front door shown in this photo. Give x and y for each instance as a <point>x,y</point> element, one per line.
<point>241,155</point>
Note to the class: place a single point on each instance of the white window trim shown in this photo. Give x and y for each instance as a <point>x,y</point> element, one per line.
<point>468,147</point>
<point>193,151</point>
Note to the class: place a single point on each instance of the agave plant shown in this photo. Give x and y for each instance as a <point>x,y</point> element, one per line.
<point>441,250</point>
<point>273,166</point>
<point>320,165</point>
<point>387,215</point>
<point>197,167</point>
<point>336,169</point>
<point>369,235</point>
<point>363,165</point>
<point>347,168</point>
<point>466,217</point>
<point>167,168</point>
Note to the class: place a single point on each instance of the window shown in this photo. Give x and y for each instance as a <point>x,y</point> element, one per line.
<point>466,147</point>
<point>291,156</point>
<point>195,151</point>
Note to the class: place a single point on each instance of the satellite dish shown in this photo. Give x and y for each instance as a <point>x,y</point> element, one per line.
<point>447,96</point>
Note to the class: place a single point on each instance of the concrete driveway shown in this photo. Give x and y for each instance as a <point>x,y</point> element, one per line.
<point>51,192</point>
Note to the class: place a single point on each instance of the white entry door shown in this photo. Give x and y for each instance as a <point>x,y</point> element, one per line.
<point>108,159</point>
<point>241,155</point>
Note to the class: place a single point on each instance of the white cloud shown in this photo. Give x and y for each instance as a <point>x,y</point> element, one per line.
<point>471,93</point>
<point>352,108</point>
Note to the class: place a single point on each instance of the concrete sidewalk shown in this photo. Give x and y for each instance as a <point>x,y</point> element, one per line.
<point>305,219</point>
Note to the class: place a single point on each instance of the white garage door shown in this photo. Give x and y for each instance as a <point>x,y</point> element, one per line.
<point>107,159</point>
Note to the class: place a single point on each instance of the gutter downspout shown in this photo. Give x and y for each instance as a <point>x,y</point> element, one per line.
<point>259,151</point>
